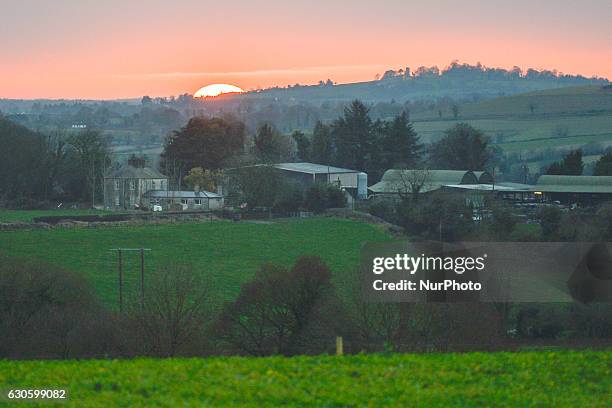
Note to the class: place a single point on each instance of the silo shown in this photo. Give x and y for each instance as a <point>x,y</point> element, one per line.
<point>362,186</point>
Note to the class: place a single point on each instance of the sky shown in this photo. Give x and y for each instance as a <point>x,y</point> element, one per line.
<point>107,49</point>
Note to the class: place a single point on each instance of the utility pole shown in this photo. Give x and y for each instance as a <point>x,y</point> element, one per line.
<point>120,252</point>
<point>141,278</point>
<point>120,283</point>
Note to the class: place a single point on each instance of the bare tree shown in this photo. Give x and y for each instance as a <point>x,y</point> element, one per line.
<point>177,308</point>
<point>412,182</point>
<point>93,152</point>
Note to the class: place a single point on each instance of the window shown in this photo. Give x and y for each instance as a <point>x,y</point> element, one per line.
<point>197,201</point>
<point>116,184</point>
<point>153,185</point>
<point>132,185</point>
<point>183,201</point>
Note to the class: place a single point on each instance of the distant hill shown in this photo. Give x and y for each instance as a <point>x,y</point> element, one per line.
<point>532,122</point>
<point>458,81</point>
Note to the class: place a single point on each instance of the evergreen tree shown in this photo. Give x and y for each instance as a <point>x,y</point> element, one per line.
<point>303,144</point>
<point>400,143</point>
<point>603,166</point>
<point>322,144</point>
<point>355,138</point>
<point>570,165</point>
<point>270,146</point>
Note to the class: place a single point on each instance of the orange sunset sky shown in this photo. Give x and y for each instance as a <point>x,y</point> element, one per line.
<point>118,49</point>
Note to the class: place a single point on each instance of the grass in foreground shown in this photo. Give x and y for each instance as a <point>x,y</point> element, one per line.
<point>560,378</point>
<point>229,253</point>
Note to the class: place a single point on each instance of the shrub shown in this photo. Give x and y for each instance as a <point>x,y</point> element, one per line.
<point>47,312</point>
<point>320,197</point>
<point>280,311</point>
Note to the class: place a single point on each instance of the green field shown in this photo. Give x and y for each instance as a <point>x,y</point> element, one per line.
<point>229,253</point>
<point>564,117</point>
<point>545,379</point>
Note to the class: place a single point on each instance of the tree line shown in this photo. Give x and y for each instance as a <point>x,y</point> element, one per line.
<point>354,140</point>
<point>47,312</point>
<point>36,169</point>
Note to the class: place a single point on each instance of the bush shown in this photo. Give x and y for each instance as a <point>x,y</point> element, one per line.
<point>320,197</point>
<point>526,233</point>
<point>289,200</point>
<point>280,311</point>
<point>47,312</point>
<point>384,209</point>
<point>436,216</point>
<point>550,217</point>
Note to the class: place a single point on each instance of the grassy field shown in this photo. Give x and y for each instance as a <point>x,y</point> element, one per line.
<point>547,378</point>
<point>28,215</point>
<point>228,252</point>
<point>565,117</point>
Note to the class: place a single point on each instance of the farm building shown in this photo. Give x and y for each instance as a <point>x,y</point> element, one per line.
<point>475,193</point>
<point>353,182</point>
<point>394,183</point>
<point>124,188</point>
<point>585,190</point>
<point>183,200</point>
<point>473,185</point>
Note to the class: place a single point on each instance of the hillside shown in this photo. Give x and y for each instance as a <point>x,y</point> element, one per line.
<point>560,379</point>
<point>564,117</point>
<point>228,253</point>
<point>457,81</point>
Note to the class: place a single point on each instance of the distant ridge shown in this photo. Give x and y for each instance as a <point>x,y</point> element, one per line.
<point>457,81</point>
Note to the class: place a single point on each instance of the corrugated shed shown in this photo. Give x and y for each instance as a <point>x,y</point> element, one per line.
<point>574,184</point>
<point>395,181</point>
<point>312,168</point>
<point>484,177</point>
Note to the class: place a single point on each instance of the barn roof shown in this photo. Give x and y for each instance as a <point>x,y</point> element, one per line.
<point>574,184</point>
<point>312,168</point>
<point>395,181</point>
<point>484,177</point>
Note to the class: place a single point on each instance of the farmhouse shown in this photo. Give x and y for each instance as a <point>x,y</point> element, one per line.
<point>125,188</point>
<point>183,200</point>
<point>585,190</point>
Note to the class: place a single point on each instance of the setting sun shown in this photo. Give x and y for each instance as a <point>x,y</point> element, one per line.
<point>216,89</point>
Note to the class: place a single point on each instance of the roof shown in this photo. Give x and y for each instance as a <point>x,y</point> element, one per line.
<point>574,184</point>
<point>181,194</point>
<point>515,186</point>
<point>136,172</point>
<point>395,181</point>
<point>501,187</point>
<point>312,168</point>
<point>484,177</point>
